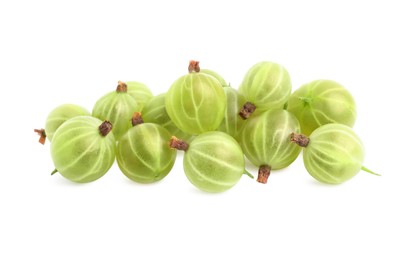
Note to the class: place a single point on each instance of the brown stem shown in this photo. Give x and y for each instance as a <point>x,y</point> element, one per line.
<point>194,66</point>
<point>247,110</point>
<point>299,139</point>
<point>137,119</point>
<point>263,173</point>
<point>105,128</point>
<point>178,144</point>
<point>121,87</point>
<point>42,135</point>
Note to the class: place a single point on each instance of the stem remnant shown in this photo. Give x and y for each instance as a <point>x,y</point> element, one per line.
<point>105,128</point>
<point>299,139</point>
<point>121,87</point>
<point>42,135</point>
<point>194,66</point>
<point>137,119</point>
<point>247,110</point>
<point>178,144</point>
<point>263,173</point>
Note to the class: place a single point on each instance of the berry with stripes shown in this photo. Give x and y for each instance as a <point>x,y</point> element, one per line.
<point>83,148</point>
<point>117,107</point>
<point>267,85</point>
<point>332,154</point>
<point>322,102</point>
<point>265,140</point>
<point>196,102</point>
<point>213,161</point>
<point>143,154</point>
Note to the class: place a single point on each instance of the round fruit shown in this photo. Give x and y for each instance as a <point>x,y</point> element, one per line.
<point>57,117</point>
<point>265,140</point>
<point>267,85</point>
<point>143,153</point>
<point>232,122</point>
<point>321,102</point>
<point>118,108</point>
<point>83,148</point>
<point>213,162</point>
<point>155,112</point>
<point>215,75</point>
<point>196,102</point>
<point>140,92</point>
<point>333,153</point>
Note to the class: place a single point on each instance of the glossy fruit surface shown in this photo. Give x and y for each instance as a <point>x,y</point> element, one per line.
<point>267,85</point>
<point>140,92</point>
<point>232,122</point>
<point>61,114</point>
<point>321,102</point>
<point>80,150</point>
<point>118,108</point>
<point>143,153</point>
<point>155,112</point>
<point>196,103</point>
<point>265,139</point>
<point>334,154</point>
<point>214,162</point>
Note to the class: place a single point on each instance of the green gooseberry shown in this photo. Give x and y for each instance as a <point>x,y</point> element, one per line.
<point>196,102</point>
<point>83,148</point>
<point>57,117</point>
<point>322,102</point>
<point>143,154</point>
<point>265,140</point>
<point>213,161</point>
<point>332,154</point>
<point>155,112</point>
<point>140,92</point>
<point>266,85</point>
<point>117,107</point>
<point>232,122</point>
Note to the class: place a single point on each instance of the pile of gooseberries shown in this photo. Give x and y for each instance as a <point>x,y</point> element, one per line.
<point>216,126</point>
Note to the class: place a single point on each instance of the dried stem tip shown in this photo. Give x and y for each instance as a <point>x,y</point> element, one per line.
<point>263,173</point>
<point>178,144</point>
<point>247,110</point>
<point>194,66</point>
<point>121,87</point>
<point>105,128</point>
<point>299,139</point>
<point>137,119</point>
<point>42,135</point>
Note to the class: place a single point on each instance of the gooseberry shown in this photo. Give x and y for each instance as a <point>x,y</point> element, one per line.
<point>265,140</point>
<point>196,102</point>
<point>267,85</point>
<point>57,116</point>
<point>83,148</point>
<point>213,161</point>
<point>140,92</point>
<point>332,154</point>
<point>321,102</point>
<point>118,108</point>
<point>143,153</point>
<point>155,112</point>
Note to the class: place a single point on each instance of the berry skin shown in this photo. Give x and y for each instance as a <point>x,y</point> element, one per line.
<point>196,102</point>
<point>143,153</point>
<point>332,154</point>
<point>117,107</point>
<point>83,149</point>
<point>322,102</point>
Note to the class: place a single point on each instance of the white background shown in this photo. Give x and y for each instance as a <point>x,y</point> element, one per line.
<point>74,52</point>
